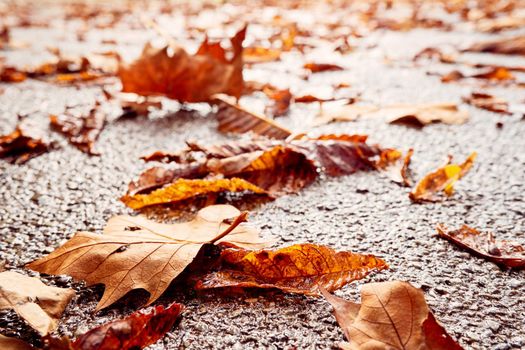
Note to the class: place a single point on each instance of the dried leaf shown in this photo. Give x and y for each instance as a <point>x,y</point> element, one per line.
<point>488,102</point>
<point>396,167</point>
<point>81,130</point>
<point>137,253</point>
<point>441,180</point>
<point>260,54</point>
<point>281,101</point>
<point>494,25</point>
<point>183,189</point>
<point>322,67</point>
<point>24,143</point>
<point>39,305</point>
<point>234,118</point>
<point>507,253</point>
<point>506,46</point>
<point>10,343</point>
<point>392,315</point>
<point>262,166</point>
<point>301,268</point>
<point>184,77</point>
<point>136,331</point>
<point>492,73</point>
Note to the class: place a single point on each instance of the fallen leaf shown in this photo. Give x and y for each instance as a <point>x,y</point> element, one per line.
<point>81,130</point>
<point>417,115</point>
<point>270,167</point>
<point>392,315</point>
<point>507,253</point>
<point>10,343</point>
<point>234,118</point>
<point>183,189</point>
<point>441,180</point>
<point>184,77</point>
<point>322,67</point>
<point>281,101</point>
<point>301,268</point>
<point>138,253</point>
<point>491,73</point>
<point>24,143</point>
<point>260,54</point>
<point>396,167</point>
<point>39,305</point>
<point>488,102</point>
<point>494,25</point>
<point>507,46</point>
<point>136,331</point>
<point>10,74</point>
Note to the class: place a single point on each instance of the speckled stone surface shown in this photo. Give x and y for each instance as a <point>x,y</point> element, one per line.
<point>44,202</point>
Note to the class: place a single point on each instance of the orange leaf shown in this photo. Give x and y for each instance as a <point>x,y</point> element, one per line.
<point>301,268</point>
<point>392,315</point>
<point>184,77</point>
<point>506,253</point>
<point>24,143</point>
<point>441,180</point>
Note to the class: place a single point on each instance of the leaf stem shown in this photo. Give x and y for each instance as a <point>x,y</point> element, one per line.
<point>238,220</point>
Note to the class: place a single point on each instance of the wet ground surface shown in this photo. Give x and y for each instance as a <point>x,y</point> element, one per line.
<point>47,200</point>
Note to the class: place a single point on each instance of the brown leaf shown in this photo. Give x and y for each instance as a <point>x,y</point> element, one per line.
<point>81,130</point>
<point>494,25</point>
<point>136,331</point>
<point>260,54</point>
<point>396,167</point>
<point>491,73</point>
<point>322,67</point>
<point>234,118</point>
<point>39,305</point>
<point>301,268</point>
<point>24,143</point>
<point>506,46</point>
<point>137,253</point>
<point>392,315</point>
<point>10,343</point>
<point>281,101</point>
<point>507,253</point>
<point>184,77</point>
<point>488,102</point>
<point>261,166</point>
<point>441,180</point>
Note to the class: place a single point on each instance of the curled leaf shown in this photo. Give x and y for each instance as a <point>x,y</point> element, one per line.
<point>39,305</point>
<point>507,253</point>
<point>185,77</point>
<point>137,253</point>
<point>234,118</point>
<point>301,268</point>
<point>392,315</point>
<point>24,143</point>
<point>441,180</point>
<point>81,130</point>
<point>136,331</point>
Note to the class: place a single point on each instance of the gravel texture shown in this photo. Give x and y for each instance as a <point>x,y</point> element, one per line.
<point>45,201</point>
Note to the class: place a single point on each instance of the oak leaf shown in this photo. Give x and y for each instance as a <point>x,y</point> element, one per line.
<point>81,130</point>
<point>137,253</point>
<point>39,305</point>
<point>234,118</point>
<point>301,268</point>
<point>441,180</point>
<point>24,143</point>
<point>392,315</point>
<point>507,253</point>
<point>185,77</point>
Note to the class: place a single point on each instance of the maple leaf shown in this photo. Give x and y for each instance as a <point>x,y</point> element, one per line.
<point>81,130</point>
<point>39,305</point>
<point>301,268</point>
<point>24,143</point>
<point>392,315</point>
<point>269,167</point>
<point>184,77</point>
<point>507,253</point>
<point>488,102</point>
<point>137,253</point>
<point>234,118</point>
<point>507,46</point>
<point>441,180</point>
